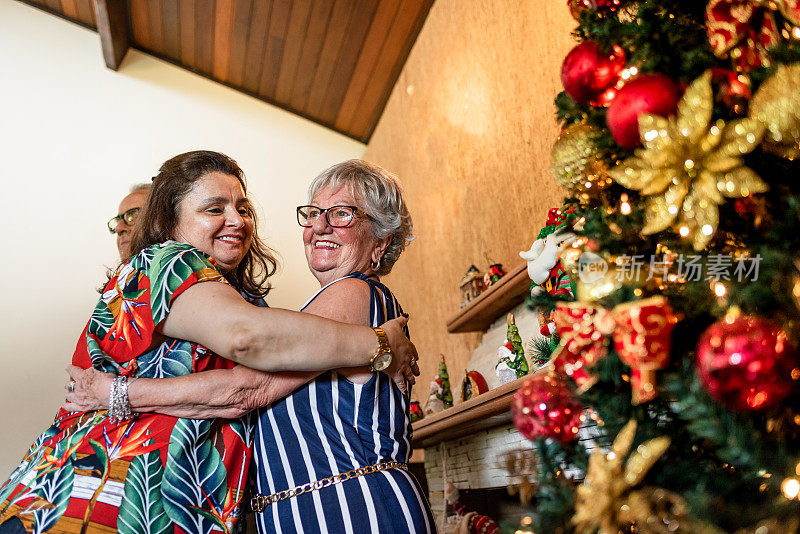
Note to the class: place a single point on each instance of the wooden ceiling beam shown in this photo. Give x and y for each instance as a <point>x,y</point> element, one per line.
<point>331,61</point>
<point>112,26</point>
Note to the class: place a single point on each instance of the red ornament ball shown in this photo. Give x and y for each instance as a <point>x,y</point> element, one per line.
<point>588,71</point>
<point>544,407</point>
<point>746,363</point>
<point>649,93</point>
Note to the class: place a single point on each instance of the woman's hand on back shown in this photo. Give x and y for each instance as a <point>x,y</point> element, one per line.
<point>403,368</point>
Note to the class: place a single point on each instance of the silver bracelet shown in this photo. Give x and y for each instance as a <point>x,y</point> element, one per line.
<point>119,407</point>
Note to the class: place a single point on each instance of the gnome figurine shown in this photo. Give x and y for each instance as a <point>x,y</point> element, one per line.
<point>511,355</point>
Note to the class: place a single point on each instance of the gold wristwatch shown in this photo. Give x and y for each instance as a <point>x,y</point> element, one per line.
<point>383,356</point>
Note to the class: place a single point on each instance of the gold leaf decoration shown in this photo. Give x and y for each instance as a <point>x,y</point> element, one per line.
<point>689,166</point>
<point>776,104</point>
<point>643,459</point>
<point>606,500</point>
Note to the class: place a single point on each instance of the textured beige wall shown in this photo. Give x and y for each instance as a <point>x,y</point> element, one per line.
<point>468,129</point>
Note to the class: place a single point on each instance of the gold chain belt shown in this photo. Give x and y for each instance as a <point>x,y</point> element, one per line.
<point>259,502</point>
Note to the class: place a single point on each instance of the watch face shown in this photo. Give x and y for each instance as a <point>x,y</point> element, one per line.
<point>382,361</point>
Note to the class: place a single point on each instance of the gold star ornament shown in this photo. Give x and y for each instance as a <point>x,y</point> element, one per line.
<point>689,165</point>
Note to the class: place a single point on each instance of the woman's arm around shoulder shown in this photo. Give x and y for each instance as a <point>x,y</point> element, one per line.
<point>347,301</point>
<point>271,339</point>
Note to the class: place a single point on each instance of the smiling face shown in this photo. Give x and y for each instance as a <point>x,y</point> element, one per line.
<point>214,217</point>
<point>335,252</point>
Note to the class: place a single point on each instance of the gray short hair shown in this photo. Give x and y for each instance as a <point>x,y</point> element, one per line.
<point>382,199</point>
<point>144,186</point>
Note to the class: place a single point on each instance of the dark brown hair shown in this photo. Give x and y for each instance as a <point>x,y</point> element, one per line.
<point>159,216</point>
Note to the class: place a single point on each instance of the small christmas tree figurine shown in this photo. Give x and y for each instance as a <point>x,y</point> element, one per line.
<point>512,363</point>
<point>443,379</point>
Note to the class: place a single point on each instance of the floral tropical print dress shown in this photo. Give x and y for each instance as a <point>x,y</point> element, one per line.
<point>154,473</point>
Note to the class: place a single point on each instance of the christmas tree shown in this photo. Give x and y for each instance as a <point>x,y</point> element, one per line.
<point>681,125</point>
<point>444,381</point>
<point>518,362</point>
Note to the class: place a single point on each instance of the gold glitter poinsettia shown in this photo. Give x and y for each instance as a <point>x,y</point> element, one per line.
<point>777,106</point>
<point>688,165</point>
<point>604,493</point>
<point>608,501</point>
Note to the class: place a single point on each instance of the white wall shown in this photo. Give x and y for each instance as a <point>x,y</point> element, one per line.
<point>73,136</point>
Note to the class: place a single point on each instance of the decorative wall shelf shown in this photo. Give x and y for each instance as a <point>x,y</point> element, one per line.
<point>491,409</point>
<point>479,314</point>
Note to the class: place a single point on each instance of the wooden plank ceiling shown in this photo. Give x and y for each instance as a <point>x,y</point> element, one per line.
<point>332,61</point>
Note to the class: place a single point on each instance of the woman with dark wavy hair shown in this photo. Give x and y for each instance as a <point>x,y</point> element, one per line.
<point>107,470</point>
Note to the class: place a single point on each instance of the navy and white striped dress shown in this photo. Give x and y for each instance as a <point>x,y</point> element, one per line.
<point>332,425</point>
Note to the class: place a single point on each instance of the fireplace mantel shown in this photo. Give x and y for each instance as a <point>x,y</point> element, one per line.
<point>491,409</point>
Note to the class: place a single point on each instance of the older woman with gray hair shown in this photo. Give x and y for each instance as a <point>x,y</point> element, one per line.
<point>331,456</point>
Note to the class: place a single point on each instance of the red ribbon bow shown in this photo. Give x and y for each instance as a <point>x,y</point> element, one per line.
<point>640,331</point>
<point>745,29</point>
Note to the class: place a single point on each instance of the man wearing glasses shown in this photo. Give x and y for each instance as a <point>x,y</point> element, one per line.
<point>122,224</point>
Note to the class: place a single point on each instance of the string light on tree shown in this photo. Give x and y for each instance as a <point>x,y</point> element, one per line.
<point>790,488</point>
<point>719,289</point>
<point>624,207</point>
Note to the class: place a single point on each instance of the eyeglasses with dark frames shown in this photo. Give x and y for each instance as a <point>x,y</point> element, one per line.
<point>128,216</point>
<point>336,216</point>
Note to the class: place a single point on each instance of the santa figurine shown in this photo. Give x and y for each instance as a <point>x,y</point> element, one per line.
<point>511,355</point>
<point>441,396</point>
<point>493,275</point>
<point>435,404</point>
<point>461,520</point>
<point>547,327</point>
